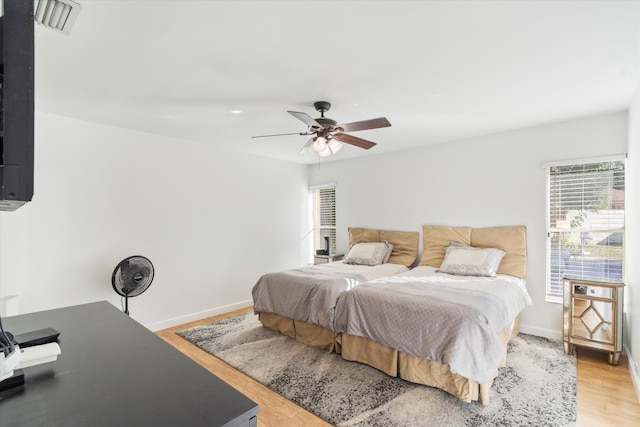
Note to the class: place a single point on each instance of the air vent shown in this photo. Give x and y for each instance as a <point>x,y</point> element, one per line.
<point>58,15</point>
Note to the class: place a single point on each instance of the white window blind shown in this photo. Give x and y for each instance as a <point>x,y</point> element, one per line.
<point>323,201</point>
<point>585,222</point>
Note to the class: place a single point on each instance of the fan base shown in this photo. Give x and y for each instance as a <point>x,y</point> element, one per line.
<point>322,106</point>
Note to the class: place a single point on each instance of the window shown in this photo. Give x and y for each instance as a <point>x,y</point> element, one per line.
<point>323,209</point>
<point>585,221</point>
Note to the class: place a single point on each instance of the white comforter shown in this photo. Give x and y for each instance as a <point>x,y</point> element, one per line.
<point>454,320</point>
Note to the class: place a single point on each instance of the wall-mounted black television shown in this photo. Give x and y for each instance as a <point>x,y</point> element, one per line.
<point>16,103</point>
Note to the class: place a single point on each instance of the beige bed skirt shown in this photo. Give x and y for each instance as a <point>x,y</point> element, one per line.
<point>306,333</point>
<point>386,359</point>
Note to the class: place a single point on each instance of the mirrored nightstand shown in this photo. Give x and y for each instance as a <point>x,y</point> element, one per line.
<point>592,316</point>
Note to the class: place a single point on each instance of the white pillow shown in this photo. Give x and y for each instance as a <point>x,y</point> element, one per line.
<point>389,250</point>
<point>465,260</point>
<point>367,254</point>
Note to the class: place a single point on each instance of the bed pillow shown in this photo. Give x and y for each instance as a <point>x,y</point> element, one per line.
<point>367,254</point>
<point>465,260</point>
<point>512,240</point>
<point>389,250</point>
<point>461,245</point>
<point>405,246</point>
<point>405,243</point>
<point>362,235</point>
<point>437,238</point>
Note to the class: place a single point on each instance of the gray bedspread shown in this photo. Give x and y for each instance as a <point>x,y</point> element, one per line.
<point>307,293</point>
<point>454,321</point>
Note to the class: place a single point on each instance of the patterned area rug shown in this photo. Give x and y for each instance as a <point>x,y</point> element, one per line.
<point>537,388</point>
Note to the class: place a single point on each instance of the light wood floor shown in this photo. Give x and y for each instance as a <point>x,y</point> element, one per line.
<point>606,396</point>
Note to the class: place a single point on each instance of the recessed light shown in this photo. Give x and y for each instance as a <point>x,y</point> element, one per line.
<point>236,111</point>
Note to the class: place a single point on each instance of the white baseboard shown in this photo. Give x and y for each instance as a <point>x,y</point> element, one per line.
<point>169,323</point>
<point>540,332</point>
<point>633,371</point>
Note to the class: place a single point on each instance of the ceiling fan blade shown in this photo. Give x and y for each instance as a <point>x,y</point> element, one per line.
<point>306,146</point>
<point>305,118</point>
<point>380,122</point>
<point>354,140</point>
<point>279,134</point>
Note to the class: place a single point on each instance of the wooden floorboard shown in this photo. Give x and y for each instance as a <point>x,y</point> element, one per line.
<point>606,396</point>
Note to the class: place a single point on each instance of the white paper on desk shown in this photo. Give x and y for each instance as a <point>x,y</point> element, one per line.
<point>39,354</point>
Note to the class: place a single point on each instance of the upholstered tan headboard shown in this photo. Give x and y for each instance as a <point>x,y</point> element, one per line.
<point>405,243</point>
<point>511,239</point>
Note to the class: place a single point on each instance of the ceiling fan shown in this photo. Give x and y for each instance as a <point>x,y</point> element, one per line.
<point>329,134</point>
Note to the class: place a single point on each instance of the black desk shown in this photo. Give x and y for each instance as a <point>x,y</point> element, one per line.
<point>115,372</point>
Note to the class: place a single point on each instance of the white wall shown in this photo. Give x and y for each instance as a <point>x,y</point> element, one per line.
<point>632,246</point>
<point>210,221</point>
<point>480,182</point>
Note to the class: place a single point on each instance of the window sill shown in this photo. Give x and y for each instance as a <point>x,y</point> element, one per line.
<point>555,299</point>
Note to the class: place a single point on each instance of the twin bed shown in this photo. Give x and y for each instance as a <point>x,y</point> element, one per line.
<point>444,324</point>
<point>300,303</point>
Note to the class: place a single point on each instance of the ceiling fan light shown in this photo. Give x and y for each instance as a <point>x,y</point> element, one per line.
<point>320,144</point>
<point>326,152</point>
<point>335,146</point>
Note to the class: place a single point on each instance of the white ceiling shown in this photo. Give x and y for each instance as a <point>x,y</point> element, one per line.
<point>438,70</point>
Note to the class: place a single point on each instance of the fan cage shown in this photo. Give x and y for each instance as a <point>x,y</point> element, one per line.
<point>131,277</point>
